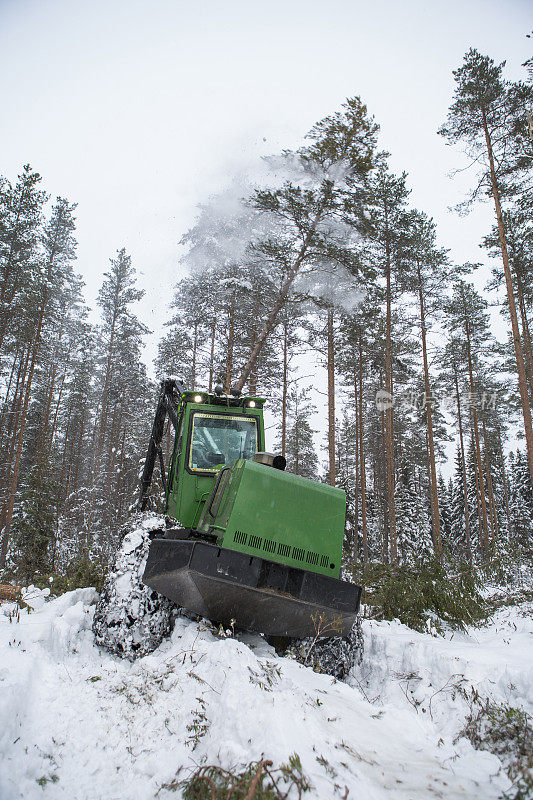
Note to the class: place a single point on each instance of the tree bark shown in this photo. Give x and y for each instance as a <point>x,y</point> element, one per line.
<point>194,349</point>
<point>356,454</point>
<point>231,339</point>
<point>284,390</point>
<point>389,418</point>
<point>484,520</point>
<point>331,397</point>
<point>362,457</point>
<point>212,355</point>
<point>429,422</point>
<point>296,436</point>
<point>478,496</point>
<point>383,495</point>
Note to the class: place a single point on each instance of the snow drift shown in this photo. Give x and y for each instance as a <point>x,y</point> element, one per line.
<point>77,722</point>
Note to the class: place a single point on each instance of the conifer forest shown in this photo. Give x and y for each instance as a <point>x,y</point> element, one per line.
<point>266,400</point>
<point>317,264</point>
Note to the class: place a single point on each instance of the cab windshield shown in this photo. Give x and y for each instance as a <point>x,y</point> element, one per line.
<point>218,439</point>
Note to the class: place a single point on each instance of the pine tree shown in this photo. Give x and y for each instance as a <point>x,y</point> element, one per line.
<point>54,270</point>
<point>115,297</point>
<point>332,168</point>
<point>321,328</point>
<point>467,317</point>
<point>20,219</point>
<point>346,473</point>
<point>35,524</point>
<point>520,250</point>
<point>291,320</point>
<point>358,354</point>
<point>121,426</point>
<point>300,450</point>
<point>488,117</point>
<point>427,279</point>
<point>459,508</point>
<point>521,501</point>
<point>444,511</point>
<point>387,200</point>
<point>414,526</point>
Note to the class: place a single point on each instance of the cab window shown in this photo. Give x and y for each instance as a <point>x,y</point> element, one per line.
<point>220,440</point>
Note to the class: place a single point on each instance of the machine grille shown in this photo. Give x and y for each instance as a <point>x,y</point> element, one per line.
<point>240,537</point>
<point>270,546</point>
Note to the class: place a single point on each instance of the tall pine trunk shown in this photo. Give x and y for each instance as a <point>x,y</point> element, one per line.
<point>505,486</point>
<point>475,425</point>
<point>16,467</point>
<point>212,355</point>
<point>58,405</point>
<point>490,488</point>
<point>526,336</point>
<point>105,393</point>
<point>356,454</point>
<point>194,352</point>
<point>429,422</point>
<point>331,397</point>
<point>463,466</point>
<point>519,355</point>
<point>284,389</point>
<point>389,418</point>
<point>231,343</point>
<point>362,457</point>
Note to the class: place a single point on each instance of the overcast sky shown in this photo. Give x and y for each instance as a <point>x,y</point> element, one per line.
<point>137,111</point>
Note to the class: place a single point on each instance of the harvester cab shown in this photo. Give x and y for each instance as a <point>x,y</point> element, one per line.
<point>256,546</point>
<point>212,432</point>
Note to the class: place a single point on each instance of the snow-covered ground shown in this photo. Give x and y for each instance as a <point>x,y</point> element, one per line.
<point>78,723</point>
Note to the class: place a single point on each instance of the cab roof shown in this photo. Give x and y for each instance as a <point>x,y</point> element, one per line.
<point>209,398</point>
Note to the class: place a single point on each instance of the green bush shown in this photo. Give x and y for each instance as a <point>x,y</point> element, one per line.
<point>80,574</point>
<point>506,732</point>
<point>426,595</point>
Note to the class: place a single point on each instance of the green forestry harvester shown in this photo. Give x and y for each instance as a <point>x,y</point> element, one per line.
<point>258,547</point>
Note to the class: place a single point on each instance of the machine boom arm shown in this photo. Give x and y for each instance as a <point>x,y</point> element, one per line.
<point>167,404</point>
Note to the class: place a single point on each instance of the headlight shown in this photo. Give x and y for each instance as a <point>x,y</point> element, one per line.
<point>251,404</point>
<point>198,398</point>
